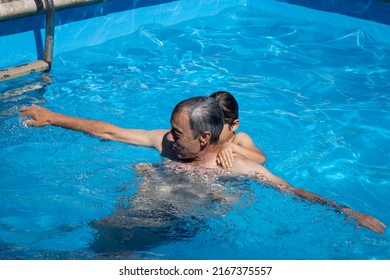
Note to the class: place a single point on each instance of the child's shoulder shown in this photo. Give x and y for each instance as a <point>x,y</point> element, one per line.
<point>241,136</point>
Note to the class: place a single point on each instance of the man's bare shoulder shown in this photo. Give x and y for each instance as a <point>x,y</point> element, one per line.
<point>243,165</point>
<point>166,143</point>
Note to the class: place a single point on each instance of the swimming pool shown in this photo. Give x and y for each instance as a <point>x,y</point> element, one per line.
<point>313,96</point>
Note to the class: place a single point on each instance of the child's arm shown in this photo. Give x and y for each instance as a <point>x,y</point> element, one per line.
<point>243,145</point>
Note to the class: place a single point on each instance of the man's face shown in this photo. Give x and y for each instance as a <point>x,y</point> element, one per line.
<point>185,146</point>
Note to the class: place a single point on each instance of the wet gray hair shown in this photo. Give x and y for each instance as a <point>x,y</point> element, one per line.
<point>204,114</point>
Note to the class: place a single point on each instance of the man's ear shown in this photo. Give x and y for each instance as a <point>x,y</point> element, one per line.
<point>204,138</point>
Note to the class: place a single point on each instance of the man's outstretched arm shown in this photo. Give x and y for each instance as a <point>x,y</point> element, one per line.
<point>41,116</point>
<point>260,173</point>
<point>362,219</point>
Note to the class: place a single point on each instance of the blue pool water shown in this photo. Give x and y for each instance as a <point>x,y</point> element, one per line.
<point>314,97</point>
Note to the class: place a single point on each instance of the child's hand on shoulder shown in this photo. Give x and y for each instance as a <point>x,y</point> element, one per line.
<point>225,156</point>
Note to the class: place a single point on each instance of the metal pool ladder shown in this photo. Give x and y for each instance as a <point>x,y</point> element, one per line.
<point>39,65</point>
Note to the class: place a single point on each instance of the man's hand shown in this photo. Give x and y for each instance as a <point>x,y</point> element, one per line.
<point>225,156</point>
<point>39,116</point>
<point>366,220</point>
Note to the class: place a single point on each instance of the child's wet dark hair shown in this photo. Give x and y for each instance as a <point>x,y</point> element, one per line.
<point>228,104</point>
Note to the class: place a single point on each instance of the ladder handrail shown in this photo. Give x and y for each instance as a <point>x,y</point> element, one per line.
<point>49,34</point>
<point>39,65</point>
<point>26,8</point>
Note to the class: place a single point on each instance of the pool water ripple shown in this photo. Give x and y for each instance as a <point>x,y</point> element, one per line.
<point>313,97</point>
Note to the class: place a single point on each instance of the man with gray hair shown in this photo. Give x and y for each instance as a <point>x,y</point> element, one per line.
<point>196,124</point>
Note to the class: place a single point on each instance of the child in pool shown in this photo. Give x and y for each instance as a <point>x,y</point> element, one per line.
<point>232,142</point>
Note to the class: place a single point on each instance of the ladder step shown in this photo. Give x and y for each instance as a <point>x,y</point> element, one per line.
<point>23,70</point>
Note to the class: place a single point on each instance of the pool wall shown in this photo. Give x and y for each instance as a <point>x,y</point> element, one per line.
<point>374,10</point>
<point>22,39</point>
